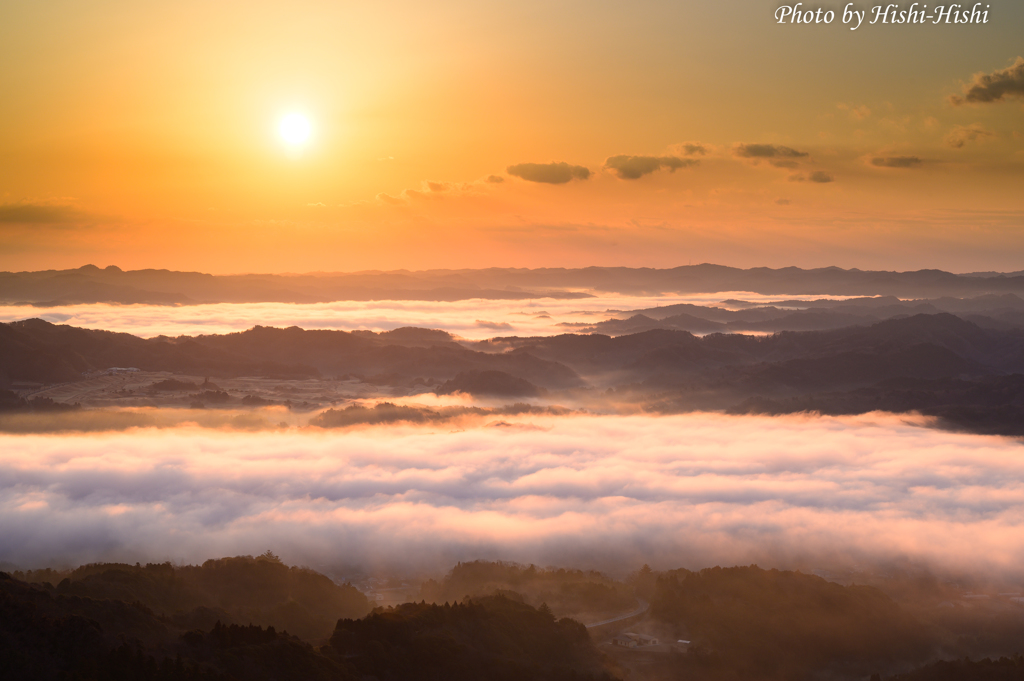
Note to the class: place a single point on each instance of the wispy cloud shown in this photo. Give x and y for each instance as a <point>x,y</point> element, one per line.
<point>388,198</point>
<point>818,176</point>
<point>859,113</point>
<point>40,214</point>
<point>964,134</point>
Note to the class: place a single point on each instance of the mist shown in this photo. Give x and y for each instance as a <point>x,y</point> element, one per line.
<point>607,492</point>
<point>476,319</point>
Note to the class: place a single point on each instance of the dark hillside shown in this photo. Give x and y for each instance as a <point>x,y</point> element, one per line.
<point>487,638</point>
<point>769,624</point>
<point>243,589</point>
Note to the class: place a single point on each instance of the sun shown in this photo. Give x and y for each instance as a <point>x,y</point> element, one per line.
<point>295,129</point>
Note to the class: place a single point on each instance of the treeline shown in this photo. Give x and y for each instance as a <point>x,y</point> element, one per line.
<point>576,593</point>
<point>777,624</point>
<point>115,622</point>
<point>243,589</point>
<point>10,401</point>
<point>51,637</point>
<point>388,412</point>
<point>750,623</point>
<point>47,635</point>
<point>1002,669</point>
<point>494,638</point>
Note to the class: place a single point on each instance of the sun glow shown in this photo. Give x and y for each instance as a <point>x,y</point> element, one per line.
<point>295,129</point>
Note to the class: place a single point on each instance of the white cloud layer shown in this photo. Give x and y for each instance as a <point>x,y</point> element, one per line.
<point>692,490</point>
<point>472,319</point>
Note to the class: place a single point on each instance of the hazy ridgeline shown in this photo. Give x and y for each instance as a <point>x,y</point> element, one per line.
<point>251,617</point>
<point>91,284</point>
<point>965,370</point>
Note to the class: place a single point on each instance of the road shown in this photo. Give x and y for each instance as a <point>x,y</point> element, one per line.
<point>642,606</point>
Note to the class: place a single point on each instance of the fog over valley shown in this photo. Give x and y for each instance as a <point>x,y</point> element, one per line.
<point>589,491</point>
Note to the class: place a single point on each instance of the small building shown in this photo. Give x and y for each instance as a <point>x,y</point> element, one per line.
<point>623,642</point>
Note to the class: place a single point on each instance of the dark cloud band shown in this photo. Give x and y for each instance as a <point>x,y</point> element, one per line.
<point>39,214</point>
<point>767,151</point>
<point>896,162</point>
<point>994,87</point>
<point>548,173</point>
<point>635,167</point>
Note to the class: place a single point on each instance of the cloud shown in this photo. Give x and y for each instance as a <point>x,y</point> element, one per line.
<point>493,326</point>
<point>896,161</point>
<point>692,148</point>
<point>494,179</point>
<point>635,167</point>
<point>766,151</point>
<point>457,317</point>
<point>549,173</point>
<point>782,202</point>
<point>819,176</point>
<point>994,87</point>
<point>387,198</point>
<point>35,214</point>
<point>963,134</point>
<point>856,112</point>
<point>578,490</point>
<point>784,163</point>
<point>429,189</point>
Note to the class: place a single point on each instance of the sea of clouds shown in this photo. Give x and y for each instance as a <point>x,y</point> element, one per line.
<point>470,319</point>
<point>608,492</point>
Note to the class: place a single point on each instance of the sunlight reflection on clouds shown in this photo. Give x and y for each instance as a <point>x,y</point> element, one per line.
<point>692,490</point>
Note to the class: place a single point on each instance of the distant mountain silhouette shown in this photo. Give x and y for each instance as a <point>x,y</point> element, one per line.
<point>990,311</point>
<point>35,350</point>
<point>91,284</point>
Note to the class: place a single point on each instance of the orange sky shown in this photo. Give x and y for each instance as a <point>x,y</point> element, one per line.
<point>145,135</point>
